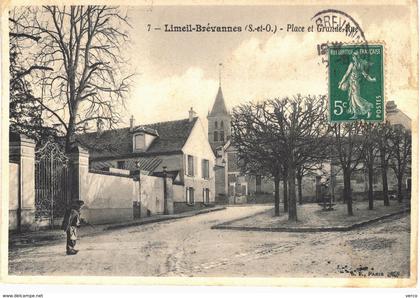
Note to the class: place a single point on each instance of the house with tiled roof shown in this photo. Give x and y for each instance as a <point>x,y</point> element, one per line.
<point>179,147</point>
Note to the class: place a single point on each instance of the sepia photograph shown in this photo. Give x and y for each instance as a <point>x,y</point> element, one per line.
<point>254,143</point>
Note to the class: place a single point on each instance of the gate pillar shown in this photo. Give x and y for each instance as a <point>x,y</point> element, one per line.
<point>79,159</point>
<point>22,150</point>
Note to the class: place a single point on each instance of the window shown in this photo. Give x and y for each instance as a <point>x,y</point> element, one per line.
<point>376,177</point>
<point>258,183</point>
<point>215,124</point>
<point>190,165</point>
<point>222,136</point>
<point>216,136</point>
<point>206,195</point>
<point>232,162</point>
<point>221,124</point>
<point>190,195</point>
<point>205,168</point>
<point>231,178</point>
<point>121,164</point>
<point>139,142</point>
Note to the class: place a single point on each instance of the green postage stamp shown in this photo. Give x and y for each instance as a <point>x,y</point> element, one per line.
<point>356,83</point>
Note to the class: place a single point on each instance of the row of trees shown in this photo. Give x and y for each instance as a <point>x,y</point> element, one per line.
<point>66,69</point>
<point>286,139</point>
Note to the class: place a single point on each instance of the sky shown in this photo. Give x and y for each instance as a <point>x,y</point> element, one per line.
<point>176,71</point>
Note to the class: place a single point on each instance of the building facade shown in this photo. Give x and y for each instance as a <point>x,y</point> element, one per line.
<point>179,148</point>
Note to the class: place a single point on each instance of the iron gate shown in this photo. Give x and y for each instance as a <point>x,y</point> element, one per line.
<point>52,191</point>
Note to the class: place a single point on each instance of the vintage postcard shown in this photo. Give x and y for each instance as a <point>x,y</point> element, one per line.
<point>269,143</point>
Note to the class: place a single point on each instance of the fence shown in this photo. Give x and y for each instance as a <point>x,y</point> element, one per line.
<point>52,191</point>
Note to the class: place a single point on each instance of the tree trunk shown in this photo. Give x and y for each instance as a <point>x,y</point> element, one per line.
<point>384,169</point>
<point>69,137</point>
<point>291,177</point>
<point>285,195</point>
<point>277,195</point>
<point>299,181</point>
<point>347,192</point>
<point>370,190</point>
<point>71,129</point>
<point>399,178</point>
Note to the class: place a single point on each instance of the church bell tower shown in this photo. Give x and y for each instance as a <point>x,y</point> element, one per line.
<point>218,120</point>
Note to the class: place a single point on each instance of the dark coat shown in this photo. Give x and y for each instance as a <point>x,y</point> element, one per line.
<point>71,219</point>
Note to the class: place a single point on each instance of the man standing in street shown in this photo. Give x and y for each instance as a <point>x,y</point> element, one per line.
<point>70,224</point>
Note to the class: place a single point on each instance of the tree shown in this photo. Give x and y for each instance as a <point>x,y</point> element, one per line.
<point>370,155</point>
<point>400,154</point>
<point>25,114</point>
<point>383,140</point>
<point>301,129</point>
<point>82,46</point>
<point>349,149</point>
<point>257,153</point>
<point>302,171</point>
<point>284,172</point>
<point>280,136</point>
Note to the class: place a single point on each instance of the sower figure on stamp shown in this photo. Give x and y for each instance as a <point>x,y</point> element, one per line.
<point>70,224</point>
<point>351,82</point>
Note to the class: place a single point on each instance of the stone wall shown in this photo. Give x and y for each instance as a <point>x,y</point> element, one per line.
<point>111,198</point>
<point>22,182</point>
<point>178,193</point>
<point>108,198</point>
<point>152,195</point>
<point>13,195</point>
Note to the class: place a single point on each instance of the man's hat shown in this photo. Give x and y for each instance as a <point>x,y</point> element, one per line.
<point>77,203</point>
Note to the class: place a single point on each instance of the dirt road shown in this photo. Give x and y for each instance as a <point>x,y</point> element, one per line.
<point>188,247</point>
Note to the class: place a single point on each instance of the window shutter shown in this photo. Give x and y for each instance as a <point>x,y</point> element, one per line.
<point>190,165</point>
<point>210,167</point>
<point>185,165</point>
<point>194,168</point>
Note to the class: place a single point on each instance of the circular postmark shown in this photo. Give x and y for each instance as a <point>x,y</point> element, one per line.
<point>337,21</point>
<point>333,20</point>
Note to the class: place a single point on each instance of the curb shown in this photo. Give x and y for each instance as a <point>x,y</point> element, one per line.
<point>14,242</point>
<point>60,236</point>
<point>154,220</point>
<point>225,226</point>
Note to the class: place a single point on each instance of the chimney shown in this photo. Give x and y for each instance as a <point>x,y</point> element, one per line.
<point>191,114</point>
<point>131,123</point>
<point>99,127</point>
<point>391,107</point>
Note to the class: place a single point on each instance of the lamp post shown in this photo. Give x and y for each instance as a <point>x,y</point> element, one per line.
<point>165,203</point>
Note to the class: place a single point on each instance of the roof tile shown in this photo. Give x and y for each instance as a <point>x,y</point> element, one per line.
<point>116,143</point>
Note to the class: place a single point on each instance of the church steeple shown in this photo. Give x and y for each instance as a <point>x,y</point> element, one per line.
<point>218,119</point>
<point>219,106</point>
